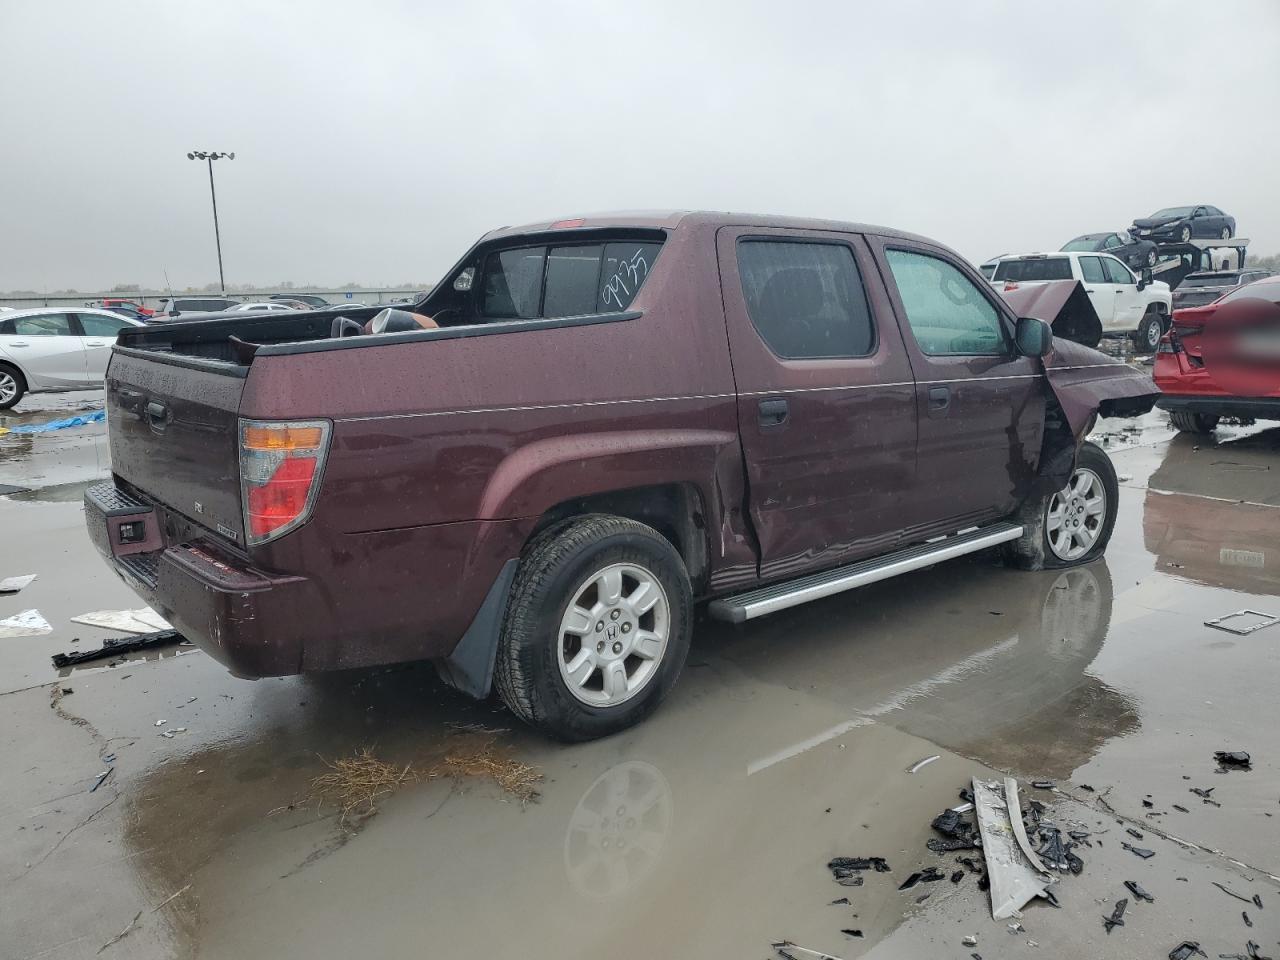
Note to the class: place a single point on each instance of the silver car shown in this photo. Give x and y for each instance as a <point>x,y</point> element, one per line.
<point>55,349</point>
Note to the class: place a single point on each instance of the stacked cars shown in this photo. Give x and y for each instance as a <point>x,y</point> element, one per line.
<point>1183,224</point>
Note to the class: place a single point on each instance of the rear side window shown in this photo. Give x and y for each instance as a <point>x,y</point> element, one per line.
<point>806,299</point>
<point>1091,269</point>
<point>1037,268</point>
<point>45,325</point>
<point>565,281</point>
<point>96,325</point>
<point>947,313</point>
<point>513,283</point>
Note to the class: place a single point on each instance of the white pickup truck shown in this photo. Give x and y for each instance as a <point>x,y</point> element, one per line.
<point>1126,304</point>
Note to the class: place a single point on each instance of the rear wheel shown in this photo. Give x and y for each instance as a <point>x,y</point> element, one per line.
<point>597,627</point>
<point>1151,257</point>
<point>1189,422</point>
<point>1071,526</point>
<point>1149,331</point>
<point>1185,236</point>
<point>1226,233</point>
<point>12,386</point>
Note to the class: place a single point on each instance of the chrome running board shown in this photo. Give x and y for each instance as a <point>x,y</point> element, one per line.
<point>815,586</point>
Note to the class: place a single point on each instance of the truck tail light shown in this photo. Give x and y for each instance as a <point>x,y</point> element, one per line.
<point>280,467</point>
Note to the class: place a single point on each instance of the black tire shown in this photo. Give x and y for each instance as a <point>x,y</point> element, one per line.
<point>1185,236</point>
<point>554,566</point>
<point>1151,257</point>
<point>1189,422</point>
<point>1150,330</point>
<point>1033,551</point>
<point>12,374</point>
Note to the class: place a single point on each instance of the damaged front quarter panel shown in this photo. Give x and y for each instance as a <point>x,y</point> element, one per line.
<point>1085,384</point>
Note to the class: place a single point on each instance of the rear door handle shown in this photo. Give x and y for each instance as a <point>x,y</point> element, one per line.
<point>939,399</point>
<point>773,412</point>
<point>96,343</point>
<point>19,343</point>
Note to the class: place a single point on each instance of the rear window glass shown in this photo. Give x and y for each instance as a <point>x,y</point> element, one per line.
<point>806,299</point>
<point>1039,268</point>
<point>47,325</point>
<point>565,281</point>
<point>1221,280</point>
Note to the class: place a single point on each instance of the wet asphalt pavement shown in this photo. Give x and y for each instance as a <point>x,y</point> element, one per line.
<point>705,832</point>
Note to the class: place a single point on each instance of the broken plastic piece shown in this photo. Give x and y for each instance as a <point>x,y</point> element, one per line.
<point>957,876</point>
<point>1043,784</point>
<point>970,941</point>
<point>1187,948</point>
<point>1257,901</point>
<point>1135,888</point>
<point>100,779</point>
<point>28,623</point>
<point>1136,834</point>
<point>1180,808</point>
<point>14,584</point>
<point>1142,852</point>
<point>852,933</point>
<point>1012,880</point>
<point>847,871</point>
<point>1117,916</point>
<point>1231,893</point>
<point>1244,915</point>
<point>844,900</point>
<point>785,949</point>
<point>923,763</point>
<point>1262,620</point>
<point>1232,758</point>
<point>117,645</point>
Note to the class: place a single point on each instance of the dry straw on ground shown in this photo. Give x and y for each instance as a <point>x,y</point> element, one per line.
<point>516,778</point>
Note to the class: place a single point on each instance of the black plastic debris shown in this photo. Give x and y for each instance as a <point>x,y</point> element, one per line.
<point>852,933</point>
<point>1231,893</point>
<point>970,864</point>
<point>931,875</point>
<point>1232,759</point>
<point>1142,852</point>
<point>1043,784</point>
<point>847,871</point>
<point>957,876</point>
<point>1148,804</point>
<point>984,882</point>
<point>960,833</point>
<point>1187,948</point>
<point>1052,899</point>
<point>1136,834</point>
<point>1257,901</point>
<point>1056,853</point>
<point>1252,953</point>
<point>1180,808</point>
<point>100,779</point>
<point>1244,915</point>
<point>1085,786</point>
<point>966,795</point>
<point>1117,916</point>
<point>1204,795</point>
<point>117,645</point>
<point>1135,888</point>
<point>842,900</point>
<point>1080,836</point>
<point>950,846</point>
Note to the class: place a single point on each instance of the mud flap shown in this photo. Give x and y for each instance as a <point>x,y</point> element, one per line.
<point>469,669</point>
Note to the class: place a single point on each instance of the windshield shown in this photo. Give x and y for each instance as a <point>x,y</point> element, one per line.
<point>1172,212</point>
<point>1033,269</point>
<point>1086,244</point>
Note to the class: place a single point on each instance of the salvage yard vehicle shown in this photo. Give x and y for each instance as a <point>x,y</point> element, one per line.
<point>618,417</point>
<point>1205,374</point>
<point>1197,289</point>
<point>49,349</point>
<point>1181,224</point>
<point>1137,307</point>
<point>178,306</point>
<point>1136,253</point>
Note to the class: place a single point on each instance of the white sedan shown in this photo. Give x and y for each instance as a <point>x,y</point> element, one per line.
<point>263,307</point>
<point>55,349</point>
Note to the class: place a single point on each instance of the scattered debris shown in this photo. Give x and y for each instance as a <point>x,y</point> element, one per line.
<point>788,950</point>
<point>1056,853</point>
<point>14,584</point>
<point>142,620</point>
<point>957,876</point>
<point>1204,795</point>
<point>1087,788</point>
<point>1229,892</point>
<point>1043,784</point>
<point>1264,620</point>
<point>970,941</point>
<point>1187,948</point>
<point>118,645</point>
<point>1016,927</point>
<point>923,763</point>
<point>169,899</point>
<point>1244,915</point>
<point>929,875</point>
<point>1136,834</point>
<point>1142,852</point>
<point>123,933</point>
<point>1117,916</point>
<point>847,871</point>
<point>1012,881</point>
<point>1251,954</point>
<point>1135,888</point>
<point>359,781</point>
<point>100,779</point>
<point>1148,804</point>
<point>842,900</point>
<point>28,623</point>
<point>852,933</point>
<point>1180,808</point>
<point>1257,901</point>
<point>1232,759</point>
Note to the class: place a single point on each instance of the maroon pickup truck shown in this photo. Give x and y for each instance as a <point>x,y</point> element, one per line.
<point>615,419</point>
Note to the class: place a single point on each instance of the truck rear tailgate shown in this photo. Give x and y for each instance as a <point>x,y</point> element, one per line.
<point>173,432</point>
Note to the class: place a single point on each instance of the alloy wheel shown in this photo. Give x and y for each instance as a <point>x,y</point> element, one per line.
<point>1076,515</point>
<point>8,386</point>
<point>613,635</point>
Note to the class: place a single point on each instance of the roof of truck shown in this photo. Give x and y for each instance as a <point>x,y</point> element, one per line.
<point>671,219</point>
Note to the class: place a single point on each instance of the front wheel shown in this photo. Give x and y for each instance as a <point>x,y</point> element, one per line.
<point>1188,422</point>
<point>12,387</point>
<point>1073,525</point>
<point>1226,233</point>
<point>597,627</point>
<point>1151,257</point>
<point>1149,331</point>
<point>1185,236</point>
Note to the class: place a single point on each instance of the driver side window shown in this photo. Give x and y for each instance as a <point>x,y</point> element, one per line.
<point>947,313</point>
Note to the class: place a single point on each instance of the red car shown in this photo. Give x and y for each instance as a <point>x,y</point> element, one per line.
<point>107,303</point>
<point>1197,393</point>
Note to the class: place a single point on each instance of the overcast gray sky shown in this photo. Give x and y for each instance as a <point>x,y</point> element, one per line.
<point>375,140</point>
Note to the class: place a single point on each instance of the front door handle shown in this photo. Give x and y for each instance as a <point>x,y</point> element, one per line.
<point>773,412</point>
<point>939,400</point>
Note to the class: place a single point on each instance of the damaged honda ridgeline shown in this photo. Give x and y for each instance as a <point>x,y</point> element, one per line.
<point>532,476</point>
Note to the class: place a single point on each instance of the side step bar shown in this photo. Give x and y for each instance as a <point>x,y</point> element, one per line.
<point>780,596</point>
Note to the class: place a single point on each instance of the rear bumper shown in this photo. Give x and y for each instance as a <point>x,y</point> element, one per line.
<point>1258,408</point>
<point>249,621</point>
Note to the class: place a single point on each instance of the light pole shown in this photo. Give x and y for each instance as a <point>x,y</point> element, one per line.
<point>210,156</point>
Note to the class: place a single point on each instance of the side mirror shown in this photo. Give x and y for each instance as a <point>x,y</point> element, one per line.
<point>1144,279</point>
<point>1034,338</point>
